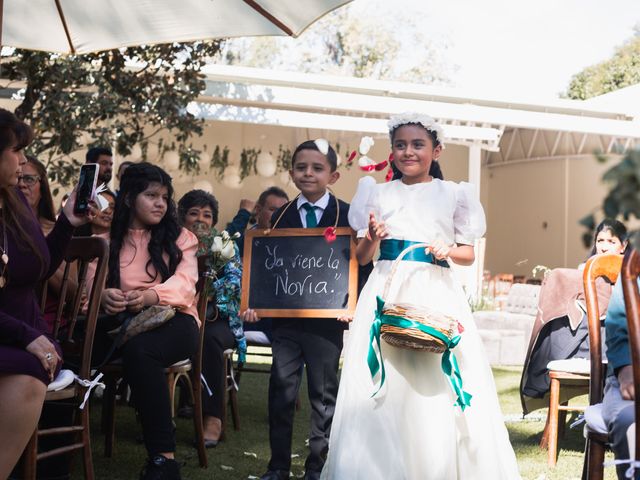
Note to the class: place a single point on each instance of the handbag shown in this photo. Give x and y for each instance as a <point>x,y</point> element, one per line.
<point>148,319</point>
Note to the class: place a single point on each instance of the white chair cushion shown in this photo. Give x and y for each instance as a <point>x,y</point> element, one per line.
<point>523,299</point>
<point>571,365</point>
<point>63,380</point>
<point>593,417</point>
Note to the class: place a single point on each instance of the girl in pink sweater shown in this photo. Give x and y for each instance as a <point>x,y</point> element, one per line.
<point>152,261</point>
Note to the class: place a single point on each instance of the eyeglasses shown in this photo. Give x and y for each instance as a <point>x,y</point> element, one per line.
<point>29,180</point>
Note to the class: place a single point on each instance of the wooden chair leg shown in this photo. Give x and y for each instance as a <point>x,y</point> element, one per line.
<point>29,458</point>
<point>87,458</point>
<point>196,397</point>
<point>562,420</point>
<point>594,459</point>
<point>554,397</point>
<point>225,399</point>
<point>235,414</point>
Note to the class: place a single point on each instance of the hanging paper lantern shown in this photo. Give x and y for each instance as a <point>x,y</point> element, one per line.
<point>266,165</point>
<point>171,160</point>
<point>338,159</point>
<point>203,185</point>
<point>232,177</point>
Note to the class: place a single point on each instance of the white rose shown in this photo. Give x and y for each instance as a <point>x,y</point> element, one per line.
<point>225,235</point>
<point>365,145</point>
<point>228,251</point>
<point>217,246</point>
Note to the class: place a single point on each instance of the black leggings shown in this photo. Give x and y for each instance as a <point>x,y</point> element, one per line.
<point>217,338</point>
<point>144,358</point>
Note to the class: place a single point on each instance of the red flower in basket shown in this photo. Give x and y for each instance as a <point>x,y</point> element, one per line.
<point>330,234</point>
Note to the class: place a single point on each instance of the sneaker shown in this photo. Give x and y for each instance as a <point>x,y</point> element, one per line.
<point>160,468</point>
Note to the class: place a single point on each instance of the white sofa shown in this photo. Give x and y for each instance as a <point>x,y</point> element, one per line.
<point>505,333</point>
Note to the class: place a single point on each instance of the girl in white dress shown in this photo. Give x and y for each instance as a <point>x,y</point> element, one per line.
<point>415,427</point>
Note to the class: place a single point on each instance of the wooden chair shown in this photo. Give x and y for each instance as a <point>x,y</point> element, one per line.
<point>189,369</point>
<point>608,267</point>
<point>231,392</point>
<point>83,251</point>
<point>630,273</point>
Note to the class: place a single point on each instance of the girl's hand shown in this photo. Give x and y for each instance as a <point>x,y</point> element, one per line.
<point>46,352</point>
<point>439,250</point>
<point>345,318</point>
<point>135,301</point>
<point>249,316</point>
<point>377,230</point>
<point>74,219</point>
<point>113,301</point>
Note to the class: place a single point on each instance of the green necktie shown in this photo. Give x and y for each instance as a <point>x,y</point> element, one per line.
<point>312,220</point>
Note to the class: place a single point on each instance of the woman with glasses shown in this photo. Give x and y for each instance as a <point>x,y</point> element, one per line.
<point>34,186</point>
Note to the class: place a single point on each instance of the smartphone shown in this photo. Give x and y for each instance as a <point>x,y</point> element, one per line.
<point>86,187</point>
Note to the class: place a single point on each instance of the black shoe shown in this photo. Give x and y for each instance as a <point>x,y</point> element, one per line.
<point>275,475</point>
<point>311,475</point>
<point>160,468</point>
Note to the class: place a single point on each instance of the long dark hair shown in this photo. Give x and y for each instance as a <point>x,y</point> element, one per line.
<point>45,208</point>
<point>434,170</point>
<point>135,180</point>
<point>16,134</point>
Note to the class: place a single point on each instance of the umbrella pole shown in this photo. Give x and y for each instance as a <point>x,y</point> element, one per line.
<point>64,25</point>
<point>253,4</point>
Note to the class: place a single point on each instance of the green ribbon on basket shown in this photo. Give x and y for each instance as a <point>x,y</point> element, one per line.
<point>449,363</point>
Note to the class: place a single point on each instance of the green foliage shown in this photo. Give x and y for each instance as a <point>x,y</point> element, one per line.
<point>248,159</point>
<point>103,98</point>
<point>219,161</point>
<point>621,70</point>
<point>623,199</point>
<point>283,161</point>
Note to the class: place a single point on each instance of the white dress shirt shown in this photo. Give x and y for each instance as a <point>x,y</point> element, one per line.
<point>319,209</point>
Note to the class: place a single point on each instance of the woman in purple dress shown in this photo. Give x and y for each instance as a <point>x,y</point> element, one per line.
<point>29,359</point>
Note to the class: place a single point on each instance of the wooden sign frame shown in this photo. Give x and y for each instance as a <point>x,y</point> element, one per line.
<point>299,312</point>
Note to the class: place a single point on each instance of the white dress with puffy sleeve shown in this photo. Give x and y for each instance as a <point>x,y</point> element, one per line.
<point>411,430</point>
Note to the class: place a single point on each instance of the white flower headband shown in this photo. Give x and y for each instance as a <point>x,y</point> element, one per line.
<point>426,121</point>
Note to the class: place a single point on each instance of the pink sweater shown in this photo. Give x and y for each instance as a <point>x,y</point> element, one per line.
<point>179,290</point>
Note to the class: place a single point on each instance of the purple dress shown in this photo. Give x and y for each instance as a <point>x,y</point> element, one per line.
<point>21,321</point>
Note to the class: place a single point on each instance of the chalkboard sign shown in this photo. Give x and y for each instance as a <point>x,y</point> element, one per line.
<point>295,272</point>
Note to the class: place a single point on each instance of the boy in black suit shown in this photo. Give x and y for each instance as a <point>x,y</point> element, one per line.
<point>314,342</point>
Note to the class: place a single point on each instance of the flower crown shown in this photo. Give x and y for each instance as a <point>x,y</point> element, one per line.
<point>425,121</point>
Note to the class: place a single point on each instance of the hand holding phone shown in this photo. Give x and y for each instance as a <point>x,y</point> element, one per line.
<point>86,188</point>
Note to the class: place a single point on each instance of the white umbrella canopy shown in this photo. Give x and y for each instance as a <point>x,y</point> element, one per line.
<point>84,26</point>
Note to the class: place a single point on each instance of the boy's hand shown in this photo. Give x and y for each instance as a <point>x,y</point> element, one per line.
<point>625,377</point>
<point>345,318</point>
<point>249,316</point>
<point>439,250</point>
<point>113,301</point>
<point>377,230</point>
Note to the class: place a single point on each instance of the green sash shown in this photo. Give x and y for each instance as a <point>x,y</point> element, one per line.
<point>449,363</point>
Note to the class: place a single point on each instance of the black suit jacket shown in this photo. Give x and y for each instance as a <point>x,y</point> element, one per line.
<point>291,219</point>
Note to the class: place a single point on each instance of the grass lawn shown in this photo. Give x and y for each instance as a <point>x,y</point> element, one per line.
<point>245,453</point>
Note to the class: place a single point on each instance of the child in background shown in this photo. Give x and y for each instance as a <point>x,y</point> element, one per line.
<point>415,427</point>
<point>314,342</point>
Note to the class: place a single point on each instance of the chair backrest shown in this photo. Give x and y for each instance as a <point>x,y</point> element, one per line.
<point>83,251</point>
<point>630,272</point>
<point>607,267</point>
<point>205,279</point>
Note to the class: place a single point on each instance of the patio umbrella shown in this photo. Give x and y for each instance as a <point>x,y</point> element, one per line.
<point>83,26</point>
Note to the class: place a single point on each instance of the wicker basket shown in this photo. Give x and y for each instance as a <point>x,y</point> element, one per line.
<point>412,338</point>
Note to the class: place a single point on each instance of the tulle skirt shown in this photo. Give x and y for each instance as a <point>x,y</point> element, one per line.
<point>411,429</point>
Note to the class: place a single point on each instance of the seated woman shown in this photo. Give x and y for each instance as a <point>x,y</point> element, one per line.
<point>152,261</point>
<point>29,359</point>
<point>34,185</point>
<point>198,211</point>
<point>560,331</point>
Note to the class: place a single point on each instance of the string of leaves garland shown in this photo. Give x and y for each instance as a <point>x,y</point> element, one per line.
<point>623,197</point>
<point>219,161</point>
